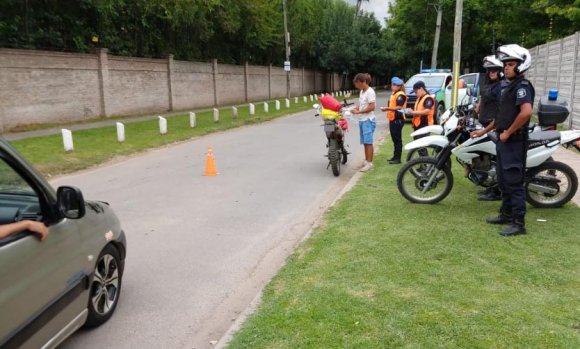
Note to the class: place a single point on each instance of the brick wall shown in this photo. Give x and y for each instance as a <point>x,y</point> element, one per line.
<point>48,87</point>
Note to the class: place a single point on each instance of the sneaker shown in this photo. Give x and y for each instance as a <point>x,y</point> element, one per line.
<point>367,167</point>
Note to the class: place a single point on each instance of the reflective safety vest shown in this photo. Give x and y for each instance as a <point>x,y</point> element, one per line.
<point>392,115</point>
<point>423,120</point>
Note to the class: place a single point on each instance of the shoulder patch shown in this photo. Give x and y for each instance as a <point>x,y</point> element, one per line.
<point>521,93</point>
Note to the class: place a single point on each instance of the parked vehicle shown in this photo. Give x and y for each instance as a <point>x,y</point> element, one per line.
<point>439,85</point>
<point>548,183</point>
<point>334,127</point>
<point>50,288</point>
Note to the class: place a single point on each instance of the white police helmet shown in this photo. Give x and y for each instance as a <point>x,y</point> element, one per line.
<point>515,52</point>
<point>491,62</point>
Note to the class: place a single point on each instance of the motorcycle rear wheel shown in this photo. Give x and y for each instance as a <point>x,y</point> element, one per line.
<point>420,173</point>
<point>334,156</point>
<point>551,175</point>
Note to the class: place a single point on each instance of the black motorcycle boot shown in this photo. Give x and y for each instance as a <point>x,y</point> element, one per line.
<point>494,194</point>
<point>484,191</point>
<point>517,227</point>
<point>394,161</point>
<point>503,218</point>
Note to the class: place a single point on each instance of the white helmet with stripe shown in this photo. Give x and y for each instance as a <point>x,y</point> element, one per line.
<point>515,52</point>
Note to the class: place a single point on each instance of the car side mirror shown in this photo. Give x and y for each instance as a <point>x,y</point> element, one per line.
<point>70,202</point>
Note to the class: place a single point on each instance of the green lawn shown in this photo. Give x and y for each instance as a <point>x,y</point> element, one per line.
<point>95,146</point>
<point>381,272</point>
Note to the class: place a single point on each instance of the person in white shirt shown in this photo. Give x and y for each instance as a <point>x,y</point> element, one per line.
<point>366,117</point>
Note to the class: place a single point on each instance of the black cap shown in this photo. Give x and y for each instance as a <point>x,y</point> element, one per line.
<point>418,85</point>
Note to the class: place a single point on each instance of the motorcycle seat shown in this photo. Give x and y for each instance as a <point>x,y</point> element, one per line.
<point>544,136</point>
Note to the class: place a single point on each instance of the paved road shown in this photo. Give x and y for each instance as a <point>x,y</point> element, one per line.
<point>201,248</point>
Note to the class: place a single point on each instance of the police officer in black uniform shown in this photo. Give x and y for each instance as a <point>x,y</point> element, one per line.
<point>491,86</point>
<point>511,125</point>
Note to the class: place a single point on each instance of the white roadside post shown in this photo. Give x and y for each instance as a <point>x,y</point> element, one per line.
<point>252,109</point>
<point>67,140</point>
<point>235,112</point>
<point>305,99</point>
<point>287,103</point>
<point>192,120</point>
<point>162,125</point>
<point>120,132</point>
<point>311,98</point>
<point>277,104</point>
<point>295,100</point>
<point>216,115</point>
<point>266,107</point>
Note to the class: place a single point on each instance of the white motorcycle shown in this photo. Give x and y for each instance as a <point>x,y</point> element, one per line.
<point>429,179</point>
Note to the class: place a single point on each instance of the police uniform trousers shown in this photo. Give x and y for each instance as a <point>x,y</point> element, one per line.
<point>511,169</point>
<point>396,131</point>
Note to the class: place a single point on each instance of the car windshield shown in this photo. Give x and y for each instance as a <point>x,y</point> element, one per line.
<point>429,80</point>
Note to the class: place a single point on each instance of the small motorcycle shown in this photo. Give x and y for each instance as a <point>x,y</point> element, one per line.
<point>334,127</point>
<point>548,183</point>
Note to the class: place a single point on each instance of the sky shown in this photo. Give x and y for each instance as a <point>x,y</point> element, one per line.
<point>379,7</point>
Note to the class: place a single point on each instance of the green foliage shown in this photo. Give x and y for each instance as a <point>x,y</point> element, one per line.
<point>325,34</point>
<point>486,24</point>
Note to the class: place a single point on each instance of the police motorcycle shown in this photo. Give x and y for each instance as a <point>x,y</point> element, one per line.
<point>333,113</point>
<point>548,183</point>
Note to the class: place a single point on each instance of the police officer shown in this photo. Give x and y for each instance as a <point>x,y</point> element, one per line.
<point>424,111</point>
<point>487,108</point>
<point>511,123</point>
<point>397,101</point>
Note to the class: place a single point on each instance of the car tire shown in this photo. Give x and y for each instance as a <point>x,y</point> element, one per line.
<point>105,287</point>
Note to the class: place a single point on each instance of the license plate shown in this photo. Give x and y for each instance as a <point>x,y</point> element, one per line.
<point>329,127</point>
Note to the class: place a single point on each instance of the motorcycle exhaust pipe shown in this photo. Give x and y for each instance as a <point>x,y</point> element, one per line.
<point>537,188</point>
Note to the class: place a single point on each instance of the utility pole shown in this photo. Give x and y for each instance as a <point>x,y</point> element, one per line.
<point>358,6</point>
<point>439,9</point>
<point>457,49</point>
<point>286,43</point>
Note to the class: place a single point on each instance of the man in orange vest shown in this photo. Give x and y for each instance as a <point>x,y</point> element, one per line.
<point>397,101</point>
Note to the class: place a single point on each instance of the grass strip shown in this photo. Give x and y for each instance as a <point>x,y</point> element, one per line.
<point>97,145</point>
<point>381,272</point>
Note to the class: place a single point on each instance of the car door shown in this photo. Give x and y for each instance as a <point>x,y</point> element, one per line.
<point>470,80</point>
<point>39,280</point>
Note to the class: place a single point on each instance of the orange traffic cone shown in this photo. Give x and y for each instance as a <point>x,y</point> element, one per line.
<point>210,168</point>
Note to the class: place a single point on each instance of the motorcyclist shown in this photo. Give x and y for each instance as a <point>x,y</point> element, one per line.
<point>511,123</point>
<point>487,108</point>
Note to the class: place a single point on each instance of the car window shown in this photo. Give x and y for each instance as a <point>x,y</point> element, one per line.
<point>469,80</point>
<point>18,200</point>
<point>430,81</point>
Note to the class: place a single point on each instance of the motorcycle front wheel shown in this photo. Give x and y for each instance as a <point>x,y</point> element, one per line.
<point>419,181</point>
<point>430,150</point>
<point>551,185</point>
